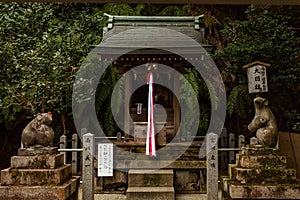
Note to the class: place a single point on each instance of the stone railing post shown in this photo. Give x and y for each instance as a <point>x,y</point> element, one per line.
<point>253,141</point>
<point>231,144</point>
<point>63,145</point>
<point>88,167</point>
<point>241,141</point>
<point>74,153</point>
<point>212,166</point>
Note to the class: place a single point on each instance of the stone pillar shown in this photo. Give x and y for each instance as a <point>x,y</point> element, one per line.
<point>88,167</point>
<point>63,145</point>
<point>231,144</point>
<point>253,141</point>
<point>212,166</point>
<point>74,153</point>
<point>241,142</point>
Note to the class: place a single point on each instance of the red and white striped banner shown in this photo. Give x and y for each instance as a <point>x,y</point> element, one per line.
<point>150,141</point>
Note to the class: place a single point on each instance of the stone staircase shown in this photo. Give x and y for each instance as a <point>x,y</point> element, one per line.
<point>150,184</point>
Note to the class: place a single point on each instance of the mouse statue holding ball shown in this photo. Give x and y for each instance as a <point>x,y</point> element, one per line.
<point>37,132</point>
<point>264,123</point>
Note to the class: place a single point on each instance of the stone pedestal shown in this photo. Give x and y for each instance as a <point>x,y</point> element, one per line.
<point>260,173</point>
<point>38,174</point>
<point>150,184</point>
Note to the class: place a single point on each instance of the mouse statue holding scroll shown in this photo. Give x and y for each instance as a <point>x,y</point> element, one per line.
<point>264,123</point>
<point>37,132</point>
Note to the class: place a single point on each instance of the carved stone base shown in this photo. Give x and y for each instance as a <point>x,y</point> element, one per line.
<point>38,173</point>
<point>66,191</point>
<point>260,173</point>
<point>32,151</point>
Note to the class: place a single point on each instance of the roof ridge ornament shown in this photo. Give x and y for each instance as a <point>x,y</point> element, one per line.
<point>169,19</point>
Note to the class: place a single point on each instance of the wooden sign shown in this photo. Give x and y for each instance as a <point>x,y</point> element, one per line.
<point>105,160</point>
<point>257,77</point>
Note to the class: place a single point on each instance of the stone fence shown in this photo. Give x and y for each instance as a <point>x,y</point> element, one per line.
<point>215,159</point>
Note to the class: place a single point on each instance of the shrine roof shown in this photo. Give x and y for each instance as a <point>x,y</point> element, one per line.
<point>147,32</point>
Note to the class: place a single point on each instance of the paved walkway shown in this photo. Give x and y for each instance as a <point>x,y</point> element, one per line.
<point>123,197</point>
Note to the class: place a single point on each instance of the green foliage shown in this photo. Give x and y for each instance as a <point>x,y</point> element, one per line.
<point>104,100</point>
<point>199,91</point>
<point>42,45</point>
<point>239,101</point>
<point>264,35</point>
<point>175,10</point>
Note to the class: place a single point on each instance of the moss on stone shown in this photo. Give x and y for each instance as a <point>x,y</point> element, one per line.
<point>14,172</point>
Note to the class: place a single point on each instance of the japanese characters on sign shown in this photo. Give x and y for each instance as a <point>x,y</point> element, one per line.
<point>257,79</point>
<point>105,160</point>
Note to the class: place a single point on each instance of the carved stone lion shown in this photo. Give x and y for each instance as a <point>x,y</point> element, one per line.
<point>37,132</point>
<point>264,123</point>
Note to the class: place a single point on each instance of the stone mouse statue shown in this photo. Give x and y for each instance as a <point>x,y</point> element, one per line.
<point>37,132</point>
<point>264,123</point>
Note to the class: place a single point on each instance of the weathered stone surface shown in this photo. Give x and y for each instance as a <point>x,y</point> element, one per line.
<point>262,161</point>
<point>37,151</point>
<point>150,193</point>
<point>43,161</point>
<point>264,192</point>
<point>231,171</point>
<point>68,190</point>
<point>188,181</point>
<point>260,173</point>
<point>259,150</point>
<point>150,184</point>
<point>265,175</point>
<point>149,178</point>
<point>118,182</point>
<point>32,177</point>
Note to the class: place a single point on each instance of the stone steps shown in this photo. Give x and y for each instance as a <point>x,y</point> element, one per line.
<point>150,184</point>
<point>157,193</point>
<point>150,178</point>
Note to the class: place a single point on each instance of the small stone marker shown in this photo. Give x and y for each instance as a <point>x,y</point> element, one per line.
<point>119,136</point>
<point>241,141</point>
<point>253,141</point>
<point>88,167</point>
<point>257,76</point>
<point>231,144</point>
<point>212,166</point>
<point>74,154</point>
<point>63,145</point>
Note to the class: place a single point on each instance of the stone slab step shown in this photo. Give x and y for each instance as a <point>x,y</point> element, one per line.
<point>31,177</point>
<point>45,161</point>
<point>37,151</point>
<point>150,193</point>
<point>258,150</point>
<point>265,175</point>
<point>280,191</point>
<point>150,178</point>
<point>68,190</point>
<point>262,161</point>
<point>158,164</point>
